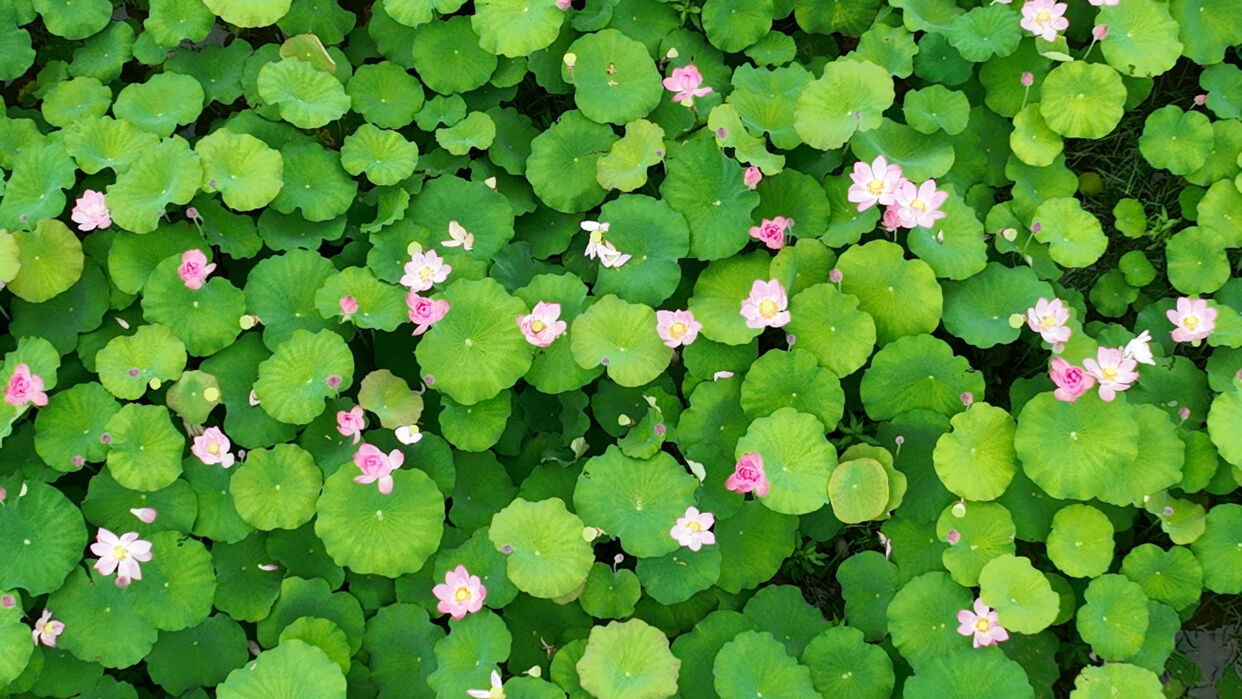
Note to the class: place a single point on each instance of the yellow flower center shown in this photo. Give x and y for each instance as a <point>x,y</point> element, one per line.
<point>676,330</point>
<point>496,693</point>
<point>1047,322</point>
<point>1108,373</point>
<point>695,527</point>
<point>425,273</point>
<point>768,309</point>
<point>918,204</point>
<point>213,449</point>
<point>120,553</point>
<point>982,625</point>
<point>462,594</point>
<point>597,236</point>
<point>47,630</point>
<point>875,186</point>
<point>537,326</point>
<point>1190,322</point>
<point>1042,17</point>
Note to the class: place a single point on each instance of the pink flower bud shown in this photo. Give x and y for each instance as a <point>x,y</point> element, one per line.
<point>349,305</point>
<point>1028,79</point>
<point>146,514</point>
<point>835,275</point>
<point>191,213</point>
<point>967,398</point>
<point>953,537</point>
<point>1201,99</point>
<point>1183,412</point>
<point>752,177</point>
<point>1099,31</point>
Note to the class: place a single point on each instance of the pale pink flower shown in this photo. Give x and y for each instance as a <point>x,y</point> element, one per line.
<point>377,466</point>
<point>460,594</point>
<point>425,312</point>
<point>194,269</point>
<point>1071,381</point>
<point>350,424</point>
<point>876,183</point>
<point>497,690</point>
<point>564,4</point>
<point>1027,79</point>
<point>728,375</point>
<point>835,275</point>
<point>408,434</point>
<point>891,220</point>
<point>146,515</point>
<point>459,236</point>
<point>192,214</point>
<point>981,624</point>
<point>953,537</point>
<point>1184,413</point>
<point>543,324</point>
<point>121,555</point>
<point>1048,318</point>
<point>212,447</point>
<point>610,256</point>
<point>8,601</point>
<point>424,270</point>
<point>1138,350</point>
<point>1195,320</point>
<point>752,177</point>
<point>25,387</point>
<point>748,475</point>
<point>1114,372</point>
<point>766,305</point>
<point>691,529</point>
<point>1044,18</point>
<point>90,211</point>
<point>1099,32</point>
<point>595,240</point>
<point>46,629</point>
<point>1201,100</point>
<point>919,206</point>
<point>677,328</point>
<point>685,82</point>
<point>772,232</point>
<point>967,398</point>
<point>349,305</point>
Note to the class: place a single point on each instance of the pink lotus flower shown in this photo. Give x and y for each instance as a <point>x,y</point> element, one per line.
<point>891,219</point>
<point>1048,318</point>
<point>46,629</point>
<point>543,324</point>
<point>1114,372</point>
<point>1138,350</point>
<point>146,515</point>
<point>425,312</point>
<point>691,529</point>
<point>876,183</point>
<point>349,306</point>
<point>121,555</point>
<point>350,424</point>
<point>212,447</point>
<point>1027,78</point>
<point>748,475</point>
<point>752,177</point>
<point>919,206</point>
<point>1071,381</point>
<point>981,624</point>
<point>1195,320</point>
<point>8,601</point>
<point>685,82</point>
<point>194,269</point>
<point>1100,31</point>
<point>772,232</point>
<point>460,594</point>
<point>677,328</point>
<point>953,537</point>
<point>1044,18</point>
<point>25,387</point>
<point>377,466</point>
<point>765,307</point>
<point>90,211</point>
<point>424,270</point>
<point>835,275</point>
<point>564,4</point>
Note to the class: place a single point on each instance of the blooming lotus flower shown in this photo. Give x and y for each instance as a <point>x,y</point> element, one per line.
<point>1195,320</point>
<point>24,387</point>
<point>146,515</point>
<point>981,624</point>
<point>691,529</point>
<point>90,211</point>
<point>748,475</point>
<point>1114,372</point>
<point>459,236</point>
<point>46,629</point>
<point>685,82</point>
<point>1071,381</point>
<point>497,690</point>
<point>1048,319</point>
<point>543,324</point>
<point>377,466</point>
<point>919,206</point>
<point>765,307</point>
<point>772,232</point>
<point>121,555</point>
<point>752,177</point>
<point>1138,350</point>
<point>876,183</point>
<point>350,424</point>
<point>194,269</point>
<point>1044,18</point>
<point>460,594</point>
<point>424,270</point>
<point>425,312</point>
<point>677,328</point>
<point>212,447</point>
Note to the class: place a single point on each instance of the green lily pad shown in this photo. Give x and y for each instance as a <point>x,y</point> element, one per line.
<point>174,21</point>
<point>843,665</point>
<point>1024,600</point>
<point>40,171</point>
<point>678,576</point>
<point>1082,100</point>
<point>706,187</point>
<point>324,635</point>
<point>562,166</point>
<point>103,142</point>
<point>1114,617</point>
<point>385,94</point>
<point>474,646</point>
<point>514,28</point>
<point>201,656</point>
<point>922,618</point>
<point>398,639</point>
<point>163,175</point>
<point>49,261</point>
<point>937,108</point>
<point>901,295</point>
<point>1081,541</point>
<point>868,582</point>
<point>244,591</point>
<point>390,398</point>
<point>1142,38</point>
<point>205,319</point>
<point>977,460</point>
<point>625,659</point>
<point>614,78</point>
<point>241,167</point>
<point>1218,551</point>
<point>1076,450</point>
<point>547,555</point>
<point>625,166</point>
<point>969,673</point>
<point>1032,141</point>
<point>178,584</point>
<point>1117,679</point>
<point>1172,577</point>
<point>479,209</point>
<point>477,130</point>
<point>792,379</point>
<point>249,13</point>
<point>718,295</point>
<point>621,336</point>
<point>1075,237</point>
<point>83,97</point>
<point>797,459</point>
<point>68,429</point>
<point>129,364</point>
<point>655,236</point>
<point>610,594</point>
<point>385,156</point>
<point>978,309</point>
<point>276,488</point>
<point>1175,140</point>
<point>917,371</point>
<point>146,449</point>
<point>635,500</point>
<point>858,490</point>
<point>1217,212</point>
<point>313,598</point>
<point>161,104</point>
<point>75,20</point>
<point>302,373</point>
<point>380,306</point>
<point>57,536</point>
<point>352,518</point>
<point>102,623</point>
<point>765,101</point>
<point>984,32</point>
<point>306,97</point>
<point>448,57</point>
<point>292,668</point>
<point>985,531</point>
<point>829,325</point>
<point>850,96</point>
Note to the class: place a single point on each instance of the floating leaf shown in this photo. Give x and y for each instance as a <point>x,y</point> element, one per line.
<point>1142,38</point>
<point>302,373</point>
<point>547,556</point>
<point>621,336</point>
<point>1114,617</point>
<point>294,667</point>
<point>306,97</point>
<point>161,104</point>
<point>797,459</point>
<point>515,28</point>
<point>146,449</point>
<point>977,460</point>
<point>635,500</point>
<point>241,167</point>
<point>385,94</point>
<point>128,365</point>
<point>850,96</point>
<point>1024,600</point>
<point>1082,100</point>
<point>448,57</point>
<point>614,78</point>
<point>276,488</point>
<point>706,187</point>
<point>162,175</point>
<point>630,658</point>
<point>49,261</point>
<point>901,295</point>
<point>917,372</point>
<point>57,535</point>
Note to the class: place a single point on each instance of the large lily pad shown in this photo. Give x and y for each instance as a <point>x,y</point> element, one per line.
<point>635,500</point>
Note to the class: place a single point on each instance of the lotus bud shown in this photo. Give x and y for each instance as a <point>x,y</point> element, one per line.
<point>1099,31</point>
<point>570,60</point>
<point>959,509</point>
<point>1028,79</point>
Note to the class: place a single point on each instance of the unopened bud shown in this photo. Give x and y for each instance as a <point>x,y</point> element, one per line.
<point>1028,79</point>
<point>1099,31</point>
